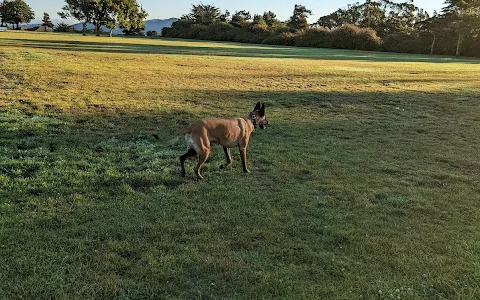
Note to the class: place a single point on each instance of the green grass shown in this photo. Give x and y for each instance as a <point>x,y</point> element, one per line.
<point>365,186</point>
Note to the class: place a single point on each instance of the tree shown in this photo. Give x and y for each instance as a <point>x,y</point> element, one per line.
<point>112,17</point>
<point>271,19</point>
<point>81,10</point>
<point>62,27</point>
<point>16,12</point>
<point>131,17</point>
<point>3,9</point>
<point>401,17</point>
<point>332,20</point>
<point>433,25</point>
<point>225,17</point>
<point>126,14</point>
<point>384,16</point>
<point>241,18</point>
<point>46,21</point>
<point>259,20</point>
<point>101,14</point>
<point>464,17</point>
<point>203,14</point>
<point>373,16</point>
<point>152,33</point>
<point>299,18</point>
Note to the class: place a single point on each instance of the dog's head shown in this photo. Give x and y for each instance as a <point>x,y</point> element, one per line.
<point>259,112</point>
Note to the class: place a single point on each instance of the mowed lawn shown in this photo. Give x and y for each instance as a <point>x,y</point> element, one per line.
<point>365,185</point>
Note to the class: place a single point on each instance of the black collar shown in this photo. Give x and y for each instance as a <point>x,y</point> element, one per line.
<point>253,117</point>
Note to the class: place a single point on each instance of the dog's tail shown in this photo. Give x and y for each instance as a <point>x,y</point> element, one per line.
<point>164,142</point>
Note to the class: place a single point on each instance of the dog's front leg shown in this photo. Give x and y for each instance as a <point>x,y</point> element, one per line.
<point>243,156</point>
<point>228,157</point>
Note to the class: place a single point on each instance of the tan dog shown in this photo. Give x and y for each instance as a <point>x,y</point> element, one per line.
<point>226,132</point>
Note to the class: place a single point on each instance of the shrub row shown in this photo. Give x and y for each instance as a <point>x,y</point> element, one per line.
<point>344,37</point>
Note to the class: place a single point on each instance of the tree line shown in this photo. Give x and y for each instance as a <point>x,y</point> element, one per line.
<point>126,14</point>
<point>380,25</point>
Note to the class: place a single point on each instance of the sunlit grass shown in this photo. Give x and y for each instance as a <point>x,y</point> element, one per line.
<point>365,185</point>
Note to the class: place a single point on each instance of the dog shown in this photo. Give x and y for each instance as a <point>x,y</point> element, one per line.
<point>229,133</point>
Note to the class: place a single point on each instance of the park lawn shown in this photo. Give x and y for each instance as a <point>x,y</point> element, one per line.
<point>365,185</point>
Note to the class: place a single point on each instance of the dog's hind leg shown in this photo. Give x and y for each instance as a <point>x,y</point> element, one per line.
<point>191,152</point>
<point>202,158</point>
<point>203,145</point>
<point>228,156</point>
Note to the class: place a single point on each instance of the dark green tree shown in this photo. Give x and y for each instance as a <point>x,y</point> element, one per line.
<point>332,20</point>
<point>464,17</point>
<point>46,21</point>
<point>241,18</point>
<point>299,20</point>
<point>271,19</point>
<point>225,17</point>
<point>3,13</point>
<point>62,27</point>
<point>204,14</point>
<point>434,25</point>
<point>259,20</point>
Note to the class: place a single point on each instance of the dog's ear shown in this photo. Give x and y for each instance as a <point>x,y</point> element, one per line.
<point>257,107</point>
<point>262,110</point>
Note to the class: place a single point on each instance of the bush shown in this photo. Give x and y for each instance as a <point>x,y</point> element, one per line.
<point>61,27</point>
<point>220,32</point>
<point>152,33</point>
<point>314,37</point>
<point>284,39</point>
<point>167,31</point>
<point>179,29</point>
<point>400,43</point>
<point>355,38</point>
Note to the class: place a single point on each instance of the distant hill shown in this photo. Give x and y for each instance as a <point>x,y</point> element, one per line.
<point>157,24</point>
<point>154,24</point>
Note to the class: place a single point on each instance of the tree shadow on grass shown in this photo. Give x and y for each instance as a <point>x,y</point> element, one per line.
<point>47,153</point>
<point>219,49</point>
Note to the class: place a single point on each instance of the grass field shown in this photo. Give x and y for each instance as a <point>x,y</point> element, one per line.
<point>365,186</point>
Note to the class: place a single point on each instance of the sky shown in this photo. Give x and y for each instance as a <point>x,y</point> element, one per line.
<point>282,8</point>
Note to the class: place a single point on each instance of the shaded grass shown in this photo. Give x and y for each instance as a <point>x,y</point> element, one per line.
<point>365,185</point>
